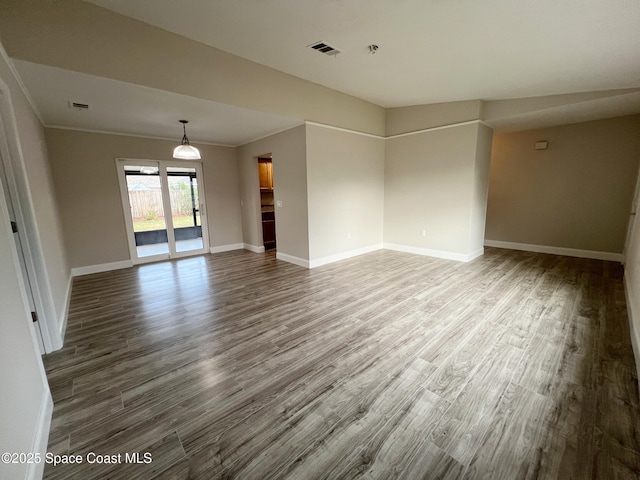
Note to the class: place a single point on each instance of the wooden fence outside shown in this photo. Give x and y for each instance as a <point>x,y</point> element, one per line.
<point>148,203</point>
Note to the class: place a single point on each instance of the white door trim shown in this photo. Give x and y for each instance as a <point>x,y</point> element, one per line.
<point>22,204</point>
<point>162,168</point>
<point>632,218</point>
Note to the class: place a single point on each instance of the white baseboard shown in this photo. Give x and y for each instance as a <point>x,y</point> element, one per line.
<point>35,471</point>
<point>460,257</point>
<point>634,324</point>
<point>567,252</point>
<point>343,255</point>
<point>291,259</point>
<point>103,267</point>
<point>227,248</point>
<point>253,248</point>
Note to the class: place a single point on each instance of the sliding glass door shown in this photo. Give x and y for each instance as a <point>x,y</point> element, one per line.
<point>164,209</point>
<point>185,208</point>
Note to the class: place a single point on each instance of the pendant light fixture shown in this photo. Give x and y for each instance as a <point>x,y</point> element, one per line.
<point>185,151</point>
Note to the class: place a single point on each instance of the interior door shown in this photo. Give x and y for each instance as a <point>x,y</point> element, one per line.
<point>164,209</point>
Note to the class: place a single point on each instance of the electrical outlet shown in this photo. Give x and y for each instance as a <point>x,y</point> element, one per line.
<point>278,203</point>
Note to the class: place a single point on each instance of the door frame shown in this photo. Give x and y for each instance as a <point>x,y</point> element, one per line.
<point>21,252</point>
<point>632,218</point>
<point>166,204</point>
<point>21,207</point>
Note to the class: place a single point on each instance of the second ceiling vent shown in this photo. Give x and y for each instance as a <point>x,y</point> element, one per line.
<point>324,48</point>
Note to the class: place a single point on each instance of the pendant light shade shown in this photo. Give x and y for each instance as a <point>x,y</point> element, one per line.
<point>185,151</point>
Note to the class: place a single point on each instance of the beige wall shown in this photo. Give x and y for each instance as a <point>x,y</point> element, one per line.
<point>82,37</point>
<point>222,192</point>
<point>431,183</point>
<point>289,185</point>
<point>577,194</point>
<point>84,169</point>
<point>345,177</point>
<point>420,117</point>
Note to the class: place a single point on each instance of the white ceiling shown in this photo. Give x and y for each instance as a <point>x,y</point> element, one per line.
<point>121,107</point>
<point>430,50</point>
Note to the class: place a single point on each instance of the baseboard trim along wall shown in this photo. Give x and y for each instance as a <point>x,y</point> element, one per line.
<point>567,252</point>
<point>301,262</point>
<point>41,438</point>
<point>103,267</point>
<point>459,257</point>
<point>633,321</point>
<point>343,255</point>
<point>227,248</point>
<point>253,248</point>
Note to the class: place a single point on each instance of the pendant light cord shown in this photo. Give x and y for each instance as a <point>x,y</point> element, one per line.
<point>185,140</point>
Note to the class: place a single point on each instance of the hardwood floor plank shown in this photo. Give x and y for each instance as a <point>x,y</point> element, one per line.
<point>408,452</point>
<point>454,373</point>
<point>544,357</point>
<point>430,462</point>
<point>618,420</point>
<point>356,437</point>
<point>147,462</point>
<point>465,424</point>
<point>61,390</point>
<point>75,411</point>
<point>524,318</point>
<point>387,365</point>
<point>578,364</point>
<point>621,381</point>
<point>515,443</point>
<point>614,462</point>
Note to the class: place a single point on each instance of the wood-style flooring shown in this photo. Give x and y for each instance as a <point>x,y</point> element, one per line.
<point>389,365</point>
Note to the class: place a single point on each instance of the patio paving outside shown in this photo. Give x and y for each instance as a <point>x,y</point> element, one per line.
<point>160,248</point>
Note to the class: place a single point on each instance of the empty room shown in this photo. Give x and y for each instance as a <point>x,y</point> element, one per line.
<point>319,240</point>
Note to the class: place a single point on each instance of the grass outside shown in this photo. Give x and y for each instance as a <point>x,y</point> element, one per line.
<point>142,225</point>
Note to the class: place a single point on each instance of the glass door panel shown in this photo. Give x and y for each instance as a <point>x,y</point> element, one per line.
<point>164,209</point>
<point>185,208</point>
<point>144,188</point>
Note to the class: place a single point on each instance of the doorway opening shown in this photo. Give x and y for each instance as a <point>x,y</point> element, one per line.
<point>267,207</point>
<point>164,209</point>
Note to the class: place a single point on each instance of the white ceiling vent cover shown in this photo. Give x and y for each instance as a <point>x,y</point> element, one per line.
<point>324,48</point>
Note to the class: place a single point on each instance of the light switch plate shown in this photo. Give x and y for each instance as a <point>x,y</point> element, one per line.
<point>278,203</point>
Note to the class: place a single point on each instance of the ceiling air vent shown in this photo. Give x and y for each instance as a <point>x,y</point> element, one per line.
<point>324,48</point>
<point>79,106</point>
